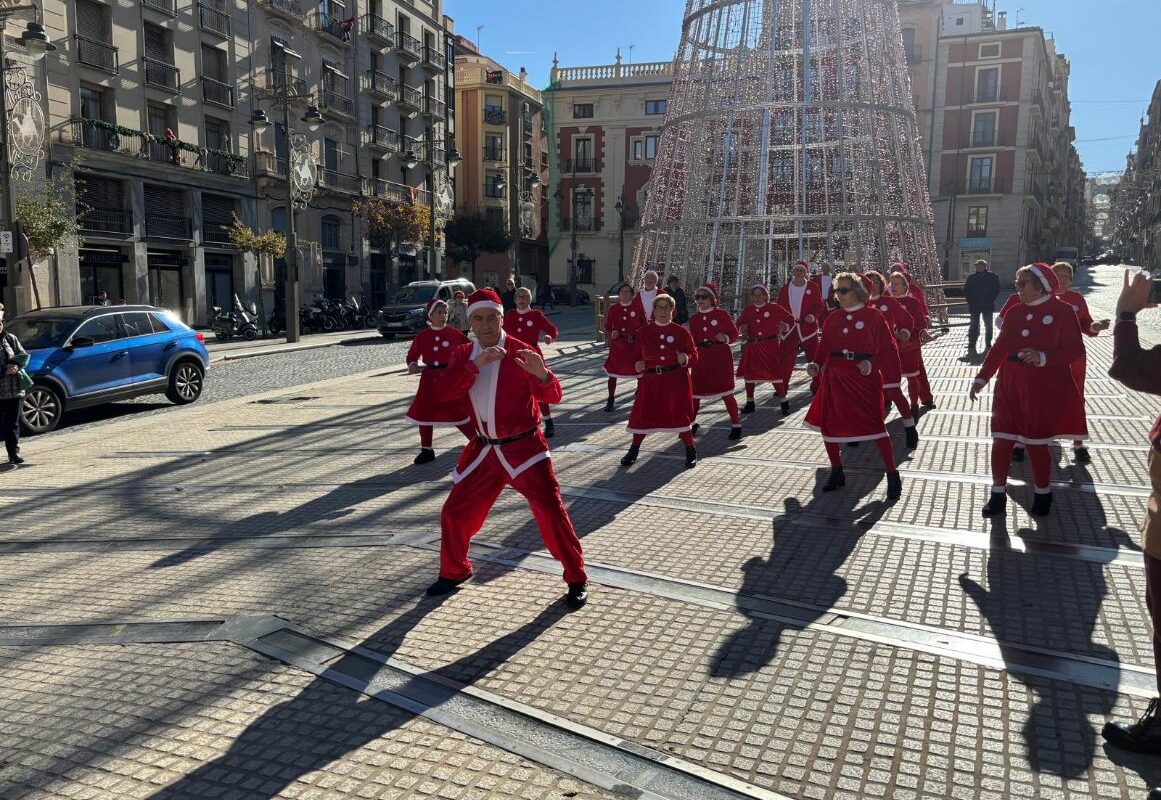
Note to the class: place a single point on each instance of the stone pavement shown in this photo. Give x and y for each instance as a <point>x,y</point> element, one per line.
<point>744,631</point>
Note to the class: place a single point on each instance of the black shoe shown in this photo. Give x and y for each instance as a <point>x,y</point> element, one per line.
<point>1018,454</point>
<point>690,457</point>
<point>929,403</point>
<point>444,586</point>
<point>426,455</point>
<point>578,595</point>
<point>694,428</point>
<point>911,436</point>
<point>894,485</point>
<point>16,459</point>
<point>549,428</point>
<point>836,479</point>
<point>997,504</point>
<point>748,408</point>
<point>1041,505</point>
<point>629,458</point>
<point>785,406</point>
<point>1081,455</point>
<point>735,433</point>
<point>609,405</point>
<point>1142,736</point>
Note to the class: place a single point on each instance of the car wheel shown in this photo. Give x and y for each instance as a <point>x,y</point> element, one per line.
<point>250,334</point>
<point>41,410</point>
<point>185,383</point>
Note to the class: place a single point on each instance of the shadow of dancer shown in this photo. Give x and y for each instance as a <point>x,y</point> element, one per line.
<point>1058,737</point>
<point>803,566</point>
<point>326,722</point>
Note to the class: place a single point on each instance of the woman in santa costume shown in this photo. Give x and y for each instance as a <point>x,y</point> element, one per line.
<point>433,346</point>
<point>530,325</point>
<point>713,375</point>
<point>763,326</point>
<point>504,380</point>
<point>855,347</point>
<point>1013,301</point>
<point>623,320</point>
<point>664,401</point>
<point>650,291</point>
<point>1089,327</point>
<point>900,321</point>
<point>1036,399</point>
<point>802,299</point>
<point>911,349</point>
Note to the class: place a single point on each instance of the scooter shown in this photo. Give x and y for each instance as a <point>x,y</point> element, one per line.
<point>238,322</point>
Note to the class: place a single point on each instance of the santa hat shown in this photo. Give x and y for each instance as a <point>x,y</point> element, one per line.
<point>901,266</point>
<point>868,284</point>
<point>484,298</point>
<point>712,288</point>
<point>1046,276</point>
<point>433,304</point>
<point>763,287</point>
<point>803,264</point>
<point>868,281</point>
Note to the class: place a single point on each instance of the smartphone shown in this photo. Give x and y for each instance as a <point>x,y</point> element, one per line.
<point>1155,294</point>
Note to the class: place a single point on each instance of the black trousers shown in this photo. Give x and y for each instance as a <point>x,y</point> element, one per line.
<point>974,327</point>
<point>10,424</point>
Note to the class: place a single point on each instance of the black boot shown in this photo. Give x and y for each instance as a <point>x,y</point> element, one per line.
<point>690,457</point>
<point>785,406</point>
<point>609,404</point>
<point>631,457</point>
<point>997,504</point>
<point>929,403</point>
<point>1081,455</point>
<point>14,457</point>
<point>694,428</point>
<point>549,428</point>
<point>578,595</point>
<point>911,436</point>
<point>894,485</point>
<point>1041,504</point>
<point>444,585</point>
<point>426,455</point>
<point>836,479</point>
<point>1018,454</point>
<point>748,408</point>
<point>1142,736</point>
<point>735,433</point>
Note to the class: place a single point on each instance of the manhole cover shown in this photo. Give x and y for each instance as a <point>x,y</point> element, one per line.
<point>284,400</point>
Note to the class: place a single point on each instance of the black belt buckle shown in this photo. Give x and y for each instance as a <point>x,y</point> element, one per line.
<point>659,370</point>
<point>849,356</point>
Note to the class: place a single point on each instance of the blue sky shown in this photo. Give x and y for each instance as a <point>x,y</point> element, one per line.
<point>1111,44</point>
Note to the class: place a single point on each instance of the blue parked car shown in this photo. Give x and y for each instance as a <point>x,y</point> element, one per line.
<point>82,356</point>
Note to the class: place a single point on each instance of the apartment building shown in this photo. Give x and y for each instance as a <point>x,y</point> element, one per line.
<point>504,172</point>
<point>604,125</point>
<point>1136,200</point>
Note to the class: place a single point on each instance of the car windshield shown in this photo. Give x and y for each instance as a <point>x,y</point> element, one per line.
<point>415,294</point>
<point>38,333</point>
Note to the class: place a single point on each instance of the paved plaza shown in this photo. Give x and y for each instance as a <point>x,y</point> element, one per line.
<point>226,601</point>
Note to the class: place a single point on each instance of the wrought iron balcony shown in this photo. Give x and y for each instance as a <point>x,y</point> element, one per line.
<point>340,104</point>
<point>437,156</point>
<point>434,108</point>
<point>218,93</point>
<point>106,137</point>
<point>410,98</point>
<point>340,181</point>
<point>494,154</point>
<point>162,75</point>
<point>214,20</point>
<point>167,226</point>
<point>375,27</point>
<point>434,60</point>
<point>216,231</point>
<point>291,9</point>
<point>161,5</point>
<point>380,137</point>
<point>267,164</point>
<point>333,25</point>
<point>279,82</point>
<point>410,48</point>
<point>107,222</point>
<point>414,145</point>
<point>399,192</point>
<point>495,116</point>
<point>583,224</point>
<point>380,84</point>
<point>570,165</point>
<point>95,53</point>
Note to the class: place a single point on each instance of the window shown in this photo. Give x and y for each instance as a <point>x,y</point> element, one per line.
<point>582,111</point>
<point>651,147</point>
<point>583,200</point>
<point>638,149</point>
<point>278,220</point>
<point>909,45</point>
<point>980,175</point>
<point>991,50</point>
<point>655,107</point>
<point>582,153</point>
<point>987,84</point>
<point>99,329</point>
<point>331,155</point>
<point>493,147</point>
<point>984,129</point>
<point>977,223</point>
<point>217,134</point>
<point>493,102</point>
<point>214,64</point>
<point>92,103</point>
<point>494,185</point>
<point>136,323</point>
<point>332,228</point>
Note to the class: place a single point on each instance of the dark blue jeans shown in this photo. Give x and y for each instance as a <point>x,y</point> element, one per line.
<point>10,424</point>
<point>974,327</point>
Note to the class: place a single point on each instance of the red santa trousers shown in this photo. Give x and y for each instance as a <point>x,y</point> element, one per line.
<point>790,348</point>
<point>472,498</point>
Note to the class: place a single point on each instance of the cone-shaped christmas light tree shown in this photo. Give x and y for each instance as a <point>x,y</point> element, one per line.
<point>790,135</point>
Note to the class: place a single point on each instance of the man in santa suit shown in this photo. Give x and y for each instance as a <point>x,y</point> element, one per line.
<point>505,380</point>
<point>824,280</point>
<point>649,293</point>
<point>804,301</point>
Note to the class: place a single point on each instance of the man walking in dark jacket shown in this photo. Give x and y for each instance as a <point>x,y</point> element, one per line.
<point>981,290</point>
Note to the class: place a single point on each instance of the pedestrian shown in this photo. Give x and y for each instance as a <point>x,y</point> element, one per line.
<point>505,380</point>
<point>1088,327</point>
<point>902,325</point>
<point>433,346</point>
<point>1013,301</point>
<point>911,350</point>
<point>13,359</point>
<point>102,299</point>
<point>544,297</point>
<point>623,321</point>
<point>458,311</point>
<point>824,281</point>
<point>508,298</point>
<point>1036,400</point>
<point>714,331</point>
<point>915,290</point>
<point>805,303</point>
<point>531,326</point>
<point>664,399</point>
<point>855,345</point>
<point>674,290</point>
<point>1140,370</point>
<point>980,290</point>
<point>650,291</point>
<point>764,326</point>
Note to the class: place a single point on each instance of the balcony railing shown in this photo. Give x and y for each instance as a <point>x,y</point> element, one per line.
<point>340,181</point>
<point>267,163</point>
<point>375,27</point>
<point>167,226</point>
<point>109,138</point>
<point>434,59</point>
<point>218,93</point>
<point>334,25</point>
<point>214,20</point>
<point>410,98</point>
<point>161,5</point>
<point>107,222</point>
<point>413,145</point>
<point>389,190</point>
<point>380,83</point>
<point>94,53</point>
<point>990,95</point>
<point>409,46</point>
<point>290,8</point>
<point>493,192</point>
<point>333,101</point>
<point>494,153</point>
<point>434,108</point>
<point>438,156</point>
<point>495,116</point>
<point>216,231</point>
<point>570,165</point>
<point>279,81</point>
<point>583,225</point>
<point>158,73</point>
<point>382,137</point>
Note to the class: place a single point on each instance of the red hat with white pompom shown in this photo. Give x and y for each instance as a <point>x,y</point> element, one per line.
<point>763,287</point>
<point>712,288</point>
<point>1046,276</point>
<point>433,304</point>
<point>484,298</point>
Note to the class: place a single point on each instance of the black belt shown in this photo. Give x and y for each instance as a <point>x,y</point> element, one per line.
<point>708,344</point>
<point>853,356</point>
<point>437,366</point>
<point>660,370</point>
<point>485,440</point>
<point>764,338</point>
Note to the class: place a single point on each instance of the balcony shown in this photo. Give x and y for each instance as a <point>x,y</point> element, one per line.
<point>578,165</point>
<point>376,28</point>
<point>98,54</point>
<point>218,93</point>
<point>410,100</point>
<point>494,154</point>
<point>336,181</point>
<point>413,145</point>
<point>493,192</point>
<point>162,75</point>
<point>434,109</point>
<point>216,232</point>
<point>380,84</point>
<point>278,82</point>
<point>107,223</point>
<point>268,165</point>
<point>107,137</point>
<point>434,60</point>
<point>583,225</point>
<point>290,9</point>
<point>333,25</point>
<point>167,227</point>
<point>495,116</point>
<point>399,192</point>
<point>381,138</point>
<point>214,20</point>
<point>338,103</point>
<point>410,49</point>
<point>991,95</point>
<point>437,156</point>
<point>165,6</point>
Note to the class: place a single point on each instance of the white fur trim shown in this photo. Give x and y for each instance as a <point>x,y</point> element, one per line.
<point>484,304</point>
<point>1015,437</point>
<point>632,377</point>
<point>645,431</point>
<point>414,421</point>
<point>457,476</point>
<point>718,396</point>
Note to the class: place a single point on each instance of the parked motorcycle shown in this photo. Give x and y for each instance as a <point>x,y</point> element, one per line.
<point>239,321</point>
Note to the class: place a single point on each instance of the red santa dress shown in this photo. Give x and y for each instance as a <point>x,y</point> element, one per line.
<point>848,406</point>
<point>627,320</point>
<point>1084,318</point>
<point>804,304</point>
<point>1037,404</point>
<point>434,347</point>
<point>713,377</point>
<point>664,401</point>
<point>898,319</point>
<point>762,352</point>
<point>911,351</point>
<point>529,326</point>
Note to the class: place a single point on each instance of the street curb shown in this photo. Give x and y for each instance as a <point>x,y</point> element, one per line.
<point>286,348</point>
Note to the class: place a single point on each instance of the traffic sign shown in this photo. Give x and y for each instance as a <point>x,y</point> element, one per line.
<point>6,242</point>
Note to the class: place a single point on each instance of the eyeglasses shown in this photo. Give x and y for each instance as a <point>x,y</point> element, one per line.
<point>843,289</point>
<point>1020,284</point>
<point>701,297</point>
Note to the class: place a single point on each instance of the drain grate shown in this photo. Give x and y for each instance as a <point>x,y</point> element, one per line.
<point>282,401</point>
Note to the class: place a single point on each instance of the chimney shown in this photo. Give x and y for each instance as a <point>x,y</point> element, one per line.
<point>1002,21</point>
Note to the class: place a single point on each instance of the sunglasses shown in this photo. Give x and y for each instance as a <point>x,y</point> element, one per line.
<point>1024,282</point>
<point>701,297</point>
<point>843,289</point>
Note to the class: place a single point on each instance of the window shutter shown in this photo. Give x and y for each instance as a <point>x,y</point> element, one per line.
<point>91,20</point>
<point>155,44</point>
<point>163,200</point>
<point>216,208</point>
<point>100,193</point>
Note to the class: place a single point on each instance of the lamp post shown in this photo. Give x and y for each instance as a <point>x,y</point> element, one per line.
<point>411,161</point>
<point>301,178</point>
<point>573,265</point>
<point>621,233</point>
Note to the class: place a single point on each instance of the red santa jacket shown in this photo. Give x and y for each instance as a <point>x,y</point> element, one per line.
<point>898,319</point>
<point>812,308</point>
<point>660,345</point>
<point>705,326</point>
<point>1012,301</point>
<point>1077,301</point>
<point>764,321</point>
<point>862,330</point>
<point>503,403</point>
<point>529,326</point>
<point>434,346</point>
<point>1049,327</point>
<point>626,319</point>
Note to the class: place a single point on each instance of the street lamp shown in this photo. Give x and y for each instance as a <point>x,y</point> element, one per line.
<point>301,178</point>
<point>621,232</point>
